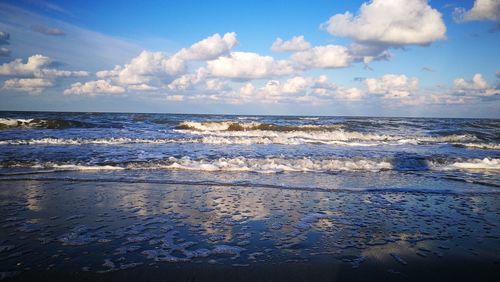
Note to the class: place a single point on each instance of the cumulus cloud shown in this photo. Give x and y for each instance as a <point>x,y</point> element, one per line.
<point>475,86</point>
<point>35,75</point>
<point>367,53</point>
<point>296,89</point>
<point>151,70</point>
<point>329,56</point>
<point>94,87</point>
<point>36,66</point>
<point>247,65</point>
<point>31,85</point>
<point>47,30</point>
<point>210,48</point>
<point>147,66</point>
<point>392,86</point>
<point>4,52</point>
<point>33,65</point>
<point>188,81</point>
<point>297,43</point>
<point>483,10</point>
<point>391,23</point>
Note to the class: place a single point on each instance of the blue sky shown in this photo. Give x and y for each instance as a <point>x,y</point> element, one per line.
<point>382,58</point>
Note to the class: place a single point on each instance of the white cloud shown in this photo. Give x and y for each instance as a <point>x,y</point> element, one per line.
<point>210,48</point>
<point>297,43</point>
<point>4,52</point>
<point>188,81</point>
<point>329,56</point>
<point>350,94</point>
<point>36,66</point>
<point>247,65</point>
<point>31,85</point>
<point>476,86</point>
<point>392,86</point>
<point>94,87</point>
<point>156,68</point>
<point>146,67</point>
<point>142,87</point>
<point>109,73</point>
<point>297,89</point>
<point>483,10</point>
<point>247,89</point>
<point>390,22</point>
<point>175,98</point>
<point>216,85</point>
<point>16,67</point>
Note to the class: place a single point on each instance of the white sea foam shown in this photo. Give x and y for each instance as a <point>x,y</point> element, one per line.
<point>322,137</point>
<point>486,146</point>
<point>337,138</point>
<point>273,165</point>
<point>97,141</point>
<point>472,164</point>
<point>80,167</point>
<point>249,118</point>
<point>241,164</point>
<point>280,139</point>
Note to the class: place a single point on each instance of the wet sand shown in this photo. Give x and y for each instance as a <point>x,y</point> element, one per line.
<point>101,231</point>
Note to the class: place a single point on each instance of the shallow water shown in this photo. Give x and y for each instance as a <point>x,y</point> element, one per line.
<point>68,226</point>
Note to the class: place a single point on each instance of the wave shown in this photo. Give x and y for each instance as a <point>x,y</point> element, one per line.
<point>323,134</point>
<point>96,141</point>
<point>309,118</point>
<point>249,118</point>
<point>486,146</point>
<point>472,164</point>
<point>6,123</point>
<point>238,164</point>
<point>273,165</point>
<point>250,126</point>
<point>230,132</point>
<point>283,138</point>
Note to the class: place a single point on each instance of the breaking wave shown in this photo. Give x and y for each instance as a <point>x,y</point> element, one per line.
<point>269,165</point>
<point>473,164</point>
<point>96,141</point>
<point>228,132</point>
<point>250,126</point>
<point>6,123</point>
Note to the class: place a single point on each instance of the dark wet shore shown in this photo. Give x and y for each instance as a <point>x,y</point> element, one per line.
<point>80,231</point>
<point>443,270</point>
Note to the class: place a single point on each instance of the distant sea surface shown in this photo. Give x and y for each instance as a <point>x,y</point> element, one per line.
<point>316,153</point>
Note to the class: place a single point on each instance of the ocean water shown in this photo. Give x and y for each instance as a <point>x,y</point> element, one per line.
<point>113,197</point>
<point>324,153</point>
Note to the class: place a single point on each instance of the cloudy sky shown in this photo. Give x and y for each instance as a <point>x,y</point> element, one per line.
<point>375,58</point>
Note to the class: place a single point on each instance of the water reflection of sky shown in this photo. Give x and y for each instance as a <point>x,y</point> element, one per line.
<point>240,225</point>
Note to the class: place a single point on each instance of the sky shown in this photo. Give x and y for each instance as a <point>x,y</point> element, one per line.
<point>316,57</point>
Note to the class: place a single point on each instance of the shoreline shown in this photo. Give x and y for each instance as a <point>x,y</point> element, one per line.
<point>62,230</point>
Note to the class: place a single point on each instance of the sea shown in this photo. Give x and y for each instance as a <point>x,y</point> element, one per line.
<point>296,152</point>
<point>181,197</point>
